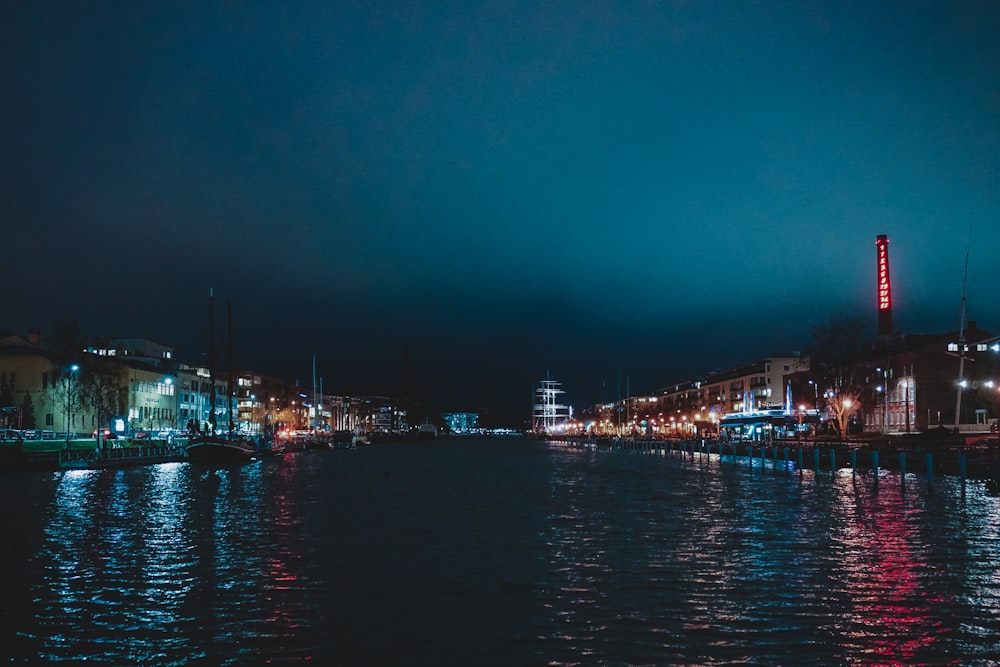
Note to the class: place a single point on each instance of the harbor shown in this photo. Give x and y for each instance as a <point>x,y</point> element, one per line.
<point>500,551</point>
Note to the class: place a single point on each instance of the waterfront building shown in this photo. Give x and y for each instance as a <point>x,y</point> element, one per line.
<point>698,406</point>
<point>142,350</point>
<point>152,398</point>
<point>380,414</point>
<point>461,422</point>
<point>29,379</point>
<point>912,383</point>
<point>194,399</point>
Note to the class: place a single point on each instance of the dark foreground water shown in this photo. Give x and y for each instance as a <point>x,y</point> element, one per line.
<point>505,552</point>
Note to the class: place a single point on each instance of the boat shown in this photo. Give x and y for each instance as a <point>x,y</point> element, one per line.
<point>215,447</point>
<point>220,449</point>
<point>427,431</point>
<point>342,440</point>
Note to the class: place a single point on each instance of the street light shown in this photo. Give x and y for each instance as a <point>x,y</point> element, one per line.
<point>906,404</point>
<point>69,398</point>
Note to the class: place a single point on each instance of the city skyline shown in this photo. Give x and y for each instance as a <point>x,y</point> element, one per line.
<point>639,191</point>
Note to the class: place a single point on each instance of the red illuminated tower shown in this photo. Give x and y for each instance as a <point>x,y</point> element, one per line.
<point>884,290</point>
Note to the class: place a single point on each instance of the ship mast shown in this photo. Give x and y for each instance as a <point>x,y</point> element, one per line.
<point>212,418</point>
<point>961,339</point>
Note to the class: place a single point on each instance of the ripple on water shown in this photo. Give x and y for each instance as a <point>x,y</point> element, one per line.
<point>501,552</point>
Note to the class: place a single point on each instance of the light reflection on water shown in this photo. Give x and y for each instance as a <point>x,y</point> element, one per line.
<point>499,552</point>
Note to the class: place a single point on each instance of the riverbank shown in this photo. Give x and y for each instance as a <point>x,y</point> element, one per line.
<point>977,461</point>
<point>85,453</point>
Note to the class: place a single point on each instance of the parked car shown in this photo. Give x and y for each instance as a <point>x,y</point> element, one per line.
<point>107,434</point>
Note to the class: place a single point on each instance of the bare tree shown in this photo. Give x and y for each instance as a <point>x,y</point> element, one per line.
<point>841,406</point>
<point>837,344</point>
<point>66,395</point>
<point>103,392</point>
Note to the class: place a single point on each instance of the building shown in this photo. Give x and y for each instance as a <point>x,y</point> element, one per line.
<point>914,384</point>
<point>698,407</point>
<point>142,350</point>
<point>461,422</point>
<point>152,398</point>
<point>36,390</point>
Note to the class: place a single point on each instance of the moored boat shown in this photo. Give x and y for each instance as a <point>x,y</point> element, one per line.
<point>211,447</point>
<point>219,449</point>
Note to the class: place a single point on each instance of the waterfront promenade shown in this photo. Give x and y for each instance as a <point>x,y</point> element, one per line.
<point>978,462</point>
<point>84,453</point>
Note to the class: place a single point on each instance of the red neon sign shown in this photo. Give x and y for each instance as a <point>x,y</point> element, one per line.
<point>884,293</point>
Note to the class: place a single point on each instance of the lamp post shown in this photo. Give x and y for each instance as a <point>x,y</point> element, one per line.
<point>906,404</point>
<point>69,399</point>
<point>846,411</point>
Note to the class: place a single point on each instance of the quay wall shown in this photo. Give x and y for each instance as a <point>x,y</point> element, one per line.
<point>981,462</point>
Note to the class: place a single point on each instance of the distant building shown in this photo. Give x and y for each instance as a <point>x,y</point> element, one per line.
<point>461,422</point>
<point>143,350</point>
<point>697,406</point>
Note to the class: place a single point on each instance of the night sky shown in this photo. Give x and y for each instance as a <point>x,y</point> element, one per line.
<point>624,194</point>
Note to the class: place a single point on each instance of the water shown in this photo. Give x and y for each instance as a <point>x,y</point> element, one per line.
<point>496,552</point>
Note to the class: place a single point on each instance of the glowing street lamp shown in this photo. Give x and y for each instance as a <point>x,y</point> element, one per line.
<point>69,398</point>
<point>906,403</point>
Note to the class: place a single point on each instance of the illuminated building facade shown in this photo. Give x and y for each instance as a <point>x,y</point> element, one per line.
<point>698,406</point>
<point>461,422</point>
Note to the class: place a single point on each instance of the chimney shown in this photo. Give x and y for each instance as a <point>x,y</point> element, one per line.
<point>884,291</point>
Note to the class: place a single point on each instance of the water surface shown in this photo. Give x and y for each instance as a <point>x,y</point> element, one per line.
<point>504,551</point>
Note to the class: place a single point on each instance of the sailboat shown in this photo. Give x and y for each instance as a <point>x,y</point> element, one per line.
<point>212,447</point>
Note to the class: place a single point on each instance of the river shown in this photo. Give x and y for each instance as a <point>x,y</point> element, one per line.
<point>496,552</point>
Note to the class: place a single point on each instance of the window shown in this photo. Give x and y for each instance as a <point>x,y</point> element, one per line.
<point>48,419</point>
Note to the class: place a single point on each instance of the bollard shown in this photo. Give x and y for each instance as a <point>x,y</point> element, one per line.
<point>875,466</point>
<point>929,466</point>
<point>961,467</point>
<point>902,469</point>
